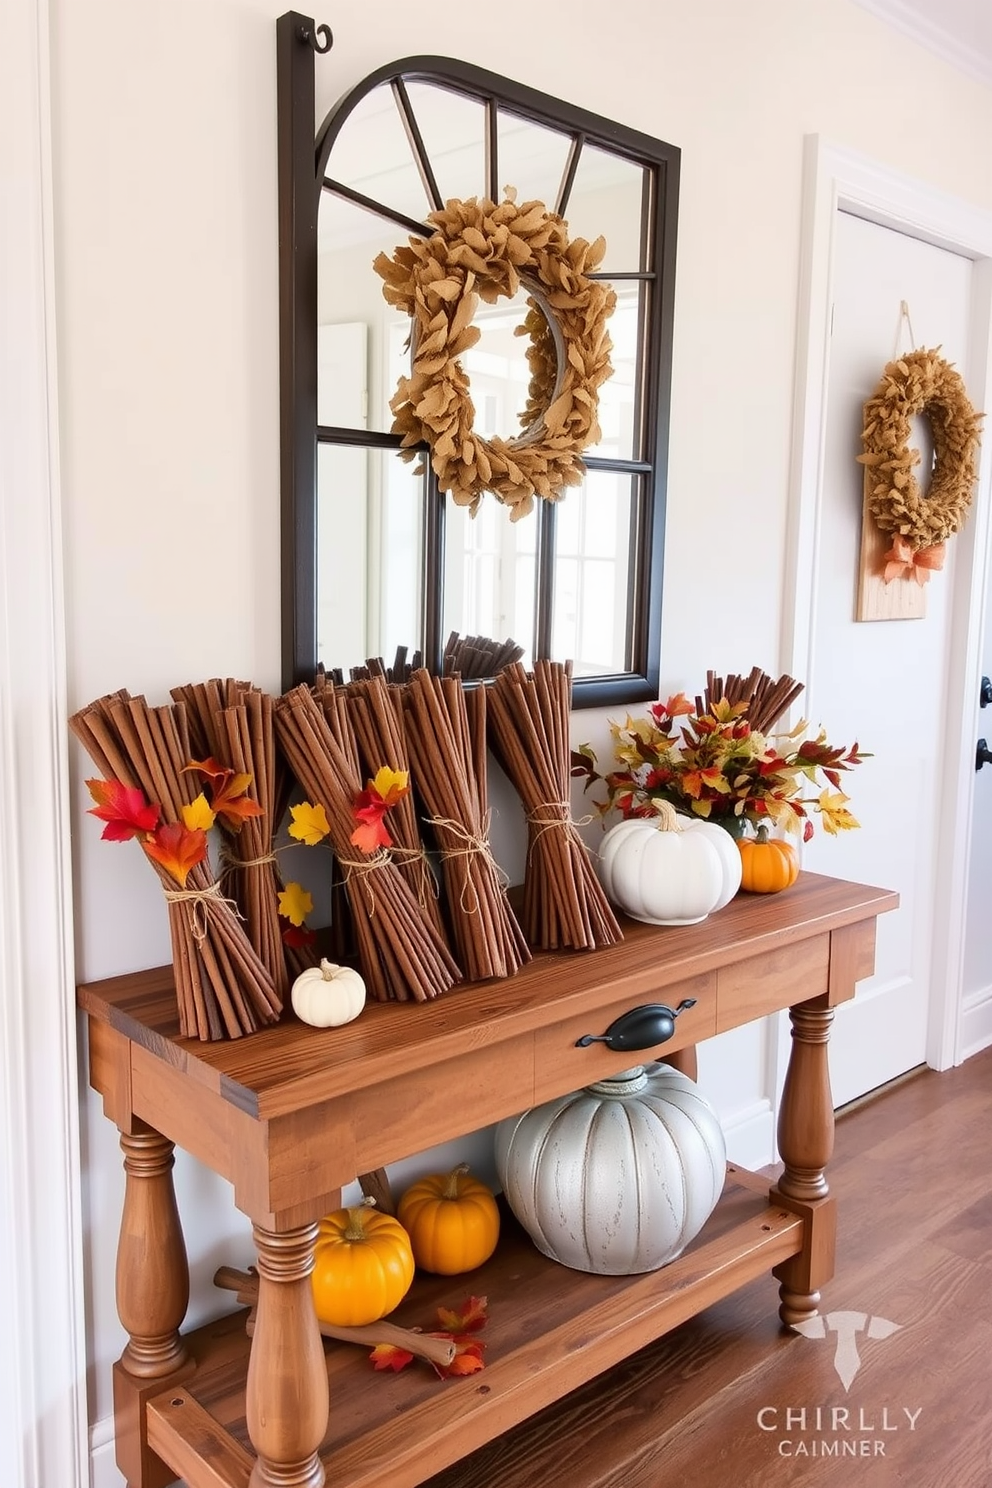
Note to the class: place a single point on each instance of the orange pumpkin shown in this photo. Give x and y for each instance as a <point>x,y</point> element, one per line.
<point>452,1221</point>
<point>768,864</point>
<point>363,1266</point>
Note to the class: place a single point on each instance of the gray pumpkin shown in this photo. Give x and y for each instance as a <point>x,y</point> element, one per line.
<point>618,1177</point>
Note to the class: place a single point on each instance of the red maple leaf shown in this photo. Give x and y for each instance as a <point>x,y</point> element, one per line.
<point>371,832</point>
<point>124,809</point>
<point>298,936</point>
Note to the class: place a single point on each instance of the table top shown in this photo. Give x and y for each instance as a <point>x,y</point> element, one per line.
<point>275,1066</point>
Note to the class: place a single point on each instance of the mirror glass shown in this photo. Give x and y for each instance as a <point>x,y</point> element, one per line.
<point>592,574</point>
<point>373,156</point>
<point>397,563</point>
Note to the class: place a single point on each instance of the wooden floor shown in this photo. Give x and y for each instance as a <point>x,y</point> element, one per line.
<point>708,1406</point>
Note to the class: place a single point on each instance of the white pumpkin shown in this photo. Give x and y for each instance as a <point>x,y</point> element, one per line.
<point>327,995</point>
<point>616,1178</point>
<point>669,869</point>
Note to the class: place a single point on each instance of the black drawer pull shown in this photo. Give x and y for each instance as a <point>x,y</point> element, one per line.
<point>640,1028</point>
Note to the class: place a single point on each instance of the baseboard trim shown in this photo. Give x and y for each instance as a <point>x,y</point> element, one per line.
<point>976,1022</point>
<point>750,1134</point>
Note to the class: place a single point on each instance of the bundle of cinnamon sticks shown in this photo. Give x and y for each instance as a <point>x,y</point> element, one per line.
<point>401,953</point>
<point>478,656</point>
<point>375,712</point>
<point>446,736</point>
<point>766,701</point>
<point>223,988</point>
<point>564,904</point>
<point>232,722</point>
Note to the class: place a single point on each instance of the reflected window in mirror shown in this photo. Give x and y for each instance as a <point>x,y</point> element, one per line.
<point>378,562</point>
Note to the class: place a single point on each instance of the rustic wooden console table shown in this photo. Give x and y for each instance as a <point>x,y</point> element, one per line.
<point>290,1114</point>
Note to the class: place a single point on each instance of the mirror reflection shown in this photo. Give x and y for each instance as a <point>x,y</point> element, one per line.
<point>562,577</point>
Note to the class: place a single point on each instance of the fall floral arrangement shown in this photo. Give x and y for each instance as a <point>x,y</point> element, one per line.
<point>718,765</point>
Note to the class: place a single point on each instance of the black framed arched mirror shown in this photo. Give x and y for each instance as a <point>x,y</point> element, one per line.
<point>376,556</point>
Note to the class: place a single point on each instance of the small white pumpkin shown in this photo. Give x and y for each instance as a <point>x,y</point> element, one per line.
<point>616,1178</point>
<point>669,869</point>
<point>327,995</point>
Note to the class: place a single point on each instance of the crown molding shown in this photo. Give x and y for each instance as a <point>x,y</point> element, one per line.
<point>937,38</point>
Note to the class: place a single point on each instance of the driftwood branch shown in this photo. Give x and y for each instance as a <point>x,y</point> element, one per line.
<point>375,1185</point>
<point>434,1350</point>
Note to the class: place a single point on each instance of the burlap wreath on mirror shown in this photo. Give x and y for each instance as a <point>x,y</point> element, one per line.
<point>481,250</point>
<point>920,383</point>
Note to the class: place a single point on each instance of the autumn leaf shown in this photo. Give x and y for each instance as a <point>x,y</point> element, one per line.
<point>388,1356</point>
<point>295,903</point>
<point>198,815</point>
<point>227,792</point>
<point>371,832</point>
<point>468,1358</point>
<point>298,937</point>
<point>231,802</point>
<point>177,849</point>
<point>469,1318</point>
<point>834,814</point>
<point>310,824</point>
<point>678,705</point>
<point>390,785</point>
<point>124,809</point>
<point>209,768</point>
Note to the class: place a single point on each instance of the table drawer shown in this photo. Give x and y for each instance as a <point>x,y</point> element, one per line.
<point>560,1066</point>
<point>764,984</point>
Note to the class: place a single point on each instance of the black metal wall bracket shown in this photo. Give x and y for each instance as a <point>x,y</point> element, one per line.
<point>320,38</point>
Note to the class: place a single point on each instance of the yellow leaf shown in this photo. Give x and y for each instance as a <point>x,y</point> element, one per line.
<point>295,903</point>
<point>835,816</point>
<point>198,815</point>
<point>391,785</point>
<point>310,824</point>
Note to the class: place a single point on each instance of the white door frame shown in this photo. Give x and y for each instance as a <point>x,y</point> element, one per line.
<point>836,179</point>
<point>43,1434</point>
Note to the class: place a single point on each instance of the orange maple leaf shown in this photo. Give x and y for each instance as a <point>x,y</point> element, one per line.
<point>124,809</point>
<point>207,767</point>
<point>228,798</point>
<point>177,849</point>
<point>371,832</point>
<point>469,1318</point>
<point>388,1356</point>
<point>468,1358</point>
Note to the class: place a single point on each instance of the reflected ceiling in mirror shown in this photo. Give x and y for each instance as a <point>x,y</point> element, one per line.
<point>380,558</point>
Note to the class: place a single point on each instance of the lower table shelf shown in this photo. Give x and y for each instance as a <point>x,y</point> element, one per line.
<point>550,1330</point>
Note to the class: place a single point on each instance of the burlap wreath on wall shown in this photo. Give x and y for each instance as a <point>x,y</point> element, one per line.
<point>481,250</point>
<point>920,383</point>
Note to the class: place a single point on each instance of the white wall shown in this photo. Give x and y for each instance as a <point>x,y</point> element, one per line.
<point>166,258</point>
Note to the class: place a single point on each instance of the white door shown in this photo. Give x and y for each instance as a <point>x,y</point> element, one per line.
<point>976,1012</point>
<point>882,682</point>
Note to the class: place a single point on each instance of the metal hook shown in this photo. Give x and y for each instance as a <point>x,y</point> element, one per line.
<point>320,39</point>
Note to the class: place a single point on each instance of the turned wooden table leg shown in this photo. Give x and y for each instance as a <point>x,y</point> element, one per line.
<point>287,1399</point>
<point>152,1293</point>
<point>152,1270</point>
<point>806,1142</point>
